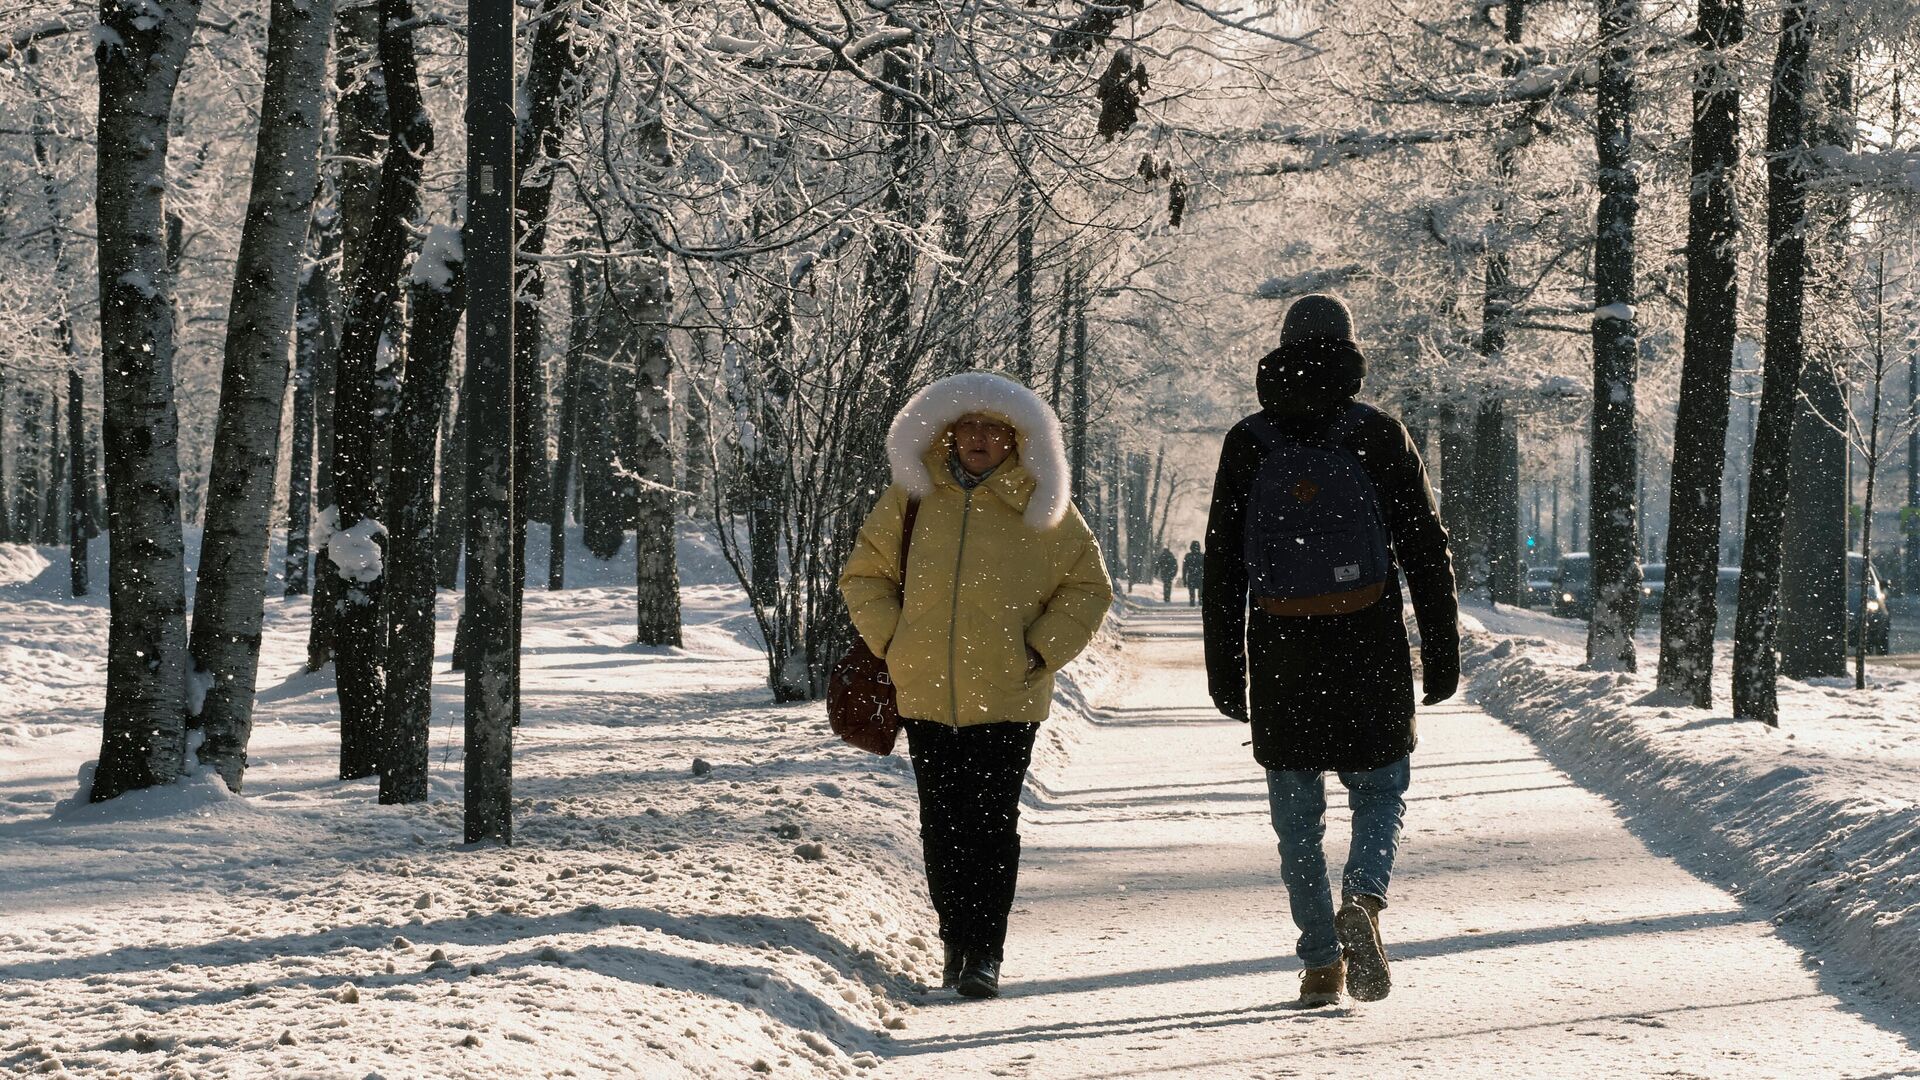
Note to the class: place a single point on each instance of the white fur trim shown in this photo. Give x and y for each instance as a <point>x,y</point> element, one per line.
<point>933,410</point>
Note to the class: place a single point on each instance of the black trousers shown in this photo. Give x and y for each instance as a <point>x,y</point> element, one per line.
<point>970,780</point>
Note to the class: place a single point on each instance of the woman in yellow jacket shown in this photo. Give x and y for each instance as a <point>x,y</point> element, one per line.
<point>1004,586</point>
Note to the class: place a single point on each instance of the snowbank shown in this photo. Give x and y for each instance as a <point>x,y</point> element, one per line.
<point>1816,822</point>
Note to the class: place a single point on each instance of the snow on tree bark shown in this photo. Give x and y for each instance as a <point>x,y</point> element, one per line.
<point>1689,606</point>
<point>1756,622</point>
<point>141,47</point>
<point>1614,532</point>
<point>231,594</point>
<point>361,431</point>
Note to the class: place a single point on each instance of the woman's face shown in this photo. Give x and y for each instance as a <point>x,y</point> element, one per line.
<point>981,442</point>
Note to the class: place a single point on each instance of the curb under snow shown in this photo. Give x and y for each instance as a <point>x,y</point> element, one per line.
<point>1797,834</point>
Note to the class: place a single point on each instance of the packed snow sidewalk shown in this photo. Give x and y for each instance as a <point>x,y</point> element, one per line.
<point>1532,933</point>
<point>1817,822</point>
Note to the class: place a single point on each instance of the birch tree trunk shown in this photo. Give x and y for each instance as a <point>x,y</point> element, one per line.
<point>141,49</point>
<point>357,549</point>
<point>1689,607</point>
<point>1756,622</point>
<point>230,598</point>
<point>1616,573</point>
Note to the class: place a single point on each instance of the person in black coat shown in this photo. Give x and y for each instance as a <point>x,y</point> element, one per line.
<point>1193,571</point>
<point>1330,692</point>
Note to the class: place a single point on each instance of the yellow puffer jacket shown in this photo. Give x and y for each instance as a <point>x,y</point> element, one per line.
<point>982,586</point>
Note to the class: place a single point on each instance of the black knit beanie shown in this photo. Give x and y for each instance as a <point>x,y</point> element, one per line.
<point>1317,357</point>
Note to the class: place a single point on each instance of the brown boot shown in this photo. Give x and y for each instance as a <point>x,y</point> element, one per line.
<point>1357,925</point>
<point>1322,985</point>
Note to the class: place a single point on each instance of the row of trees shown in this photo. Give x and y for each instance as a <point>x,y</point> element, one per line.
<point>811,222</point>
<point>775,219</point>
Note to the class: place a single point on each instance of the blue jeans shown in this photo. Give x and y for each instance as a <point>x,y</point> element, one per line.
<point>1299,803</point>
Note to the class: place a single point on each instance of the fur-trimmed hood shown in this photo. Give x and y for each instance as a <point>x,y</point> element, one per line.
<point>1038,440</point>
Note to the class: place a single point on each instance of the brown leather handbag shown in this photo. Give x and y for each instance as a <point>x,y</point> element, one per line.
<point>860,695</point>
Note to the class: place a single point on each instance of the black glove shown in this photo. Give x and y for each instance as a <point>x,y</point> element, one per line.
<point>1439,667</point>
<point>1231,700</point>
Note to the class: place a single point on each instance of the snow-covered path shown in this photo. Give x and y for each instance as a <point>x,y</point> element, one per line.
<point>1532,933</point>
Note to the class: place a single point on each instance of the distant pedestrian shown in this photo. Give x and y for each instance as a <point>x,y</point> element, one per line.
<point>1166,568</point>
<point>1193,572</point>
<point>1320,503</point>
<point>1004,585</point>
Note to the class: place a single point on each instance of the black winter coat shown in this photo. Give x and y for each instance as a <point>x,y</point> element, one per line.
<point>1328,692</point>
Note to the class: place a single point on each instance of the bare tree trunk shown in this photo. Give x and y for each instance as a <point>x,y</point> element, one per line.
<point>1757,619</point>
<point>230,599</point>
<point>451,529</point>
<point>492,697</point>
<point>1813,570</point>
<point>1872,456</point>
<point>656,567</point>
<point>1073,308</point>
<point>1492,483</point>
<point>144,727</point>
<point>357,550</point>
<point>1616,571</point>
<point>1023,287</point>
<point>1690,606</point>
<point>296,572</point>
<point>437,304</point>
<point>360,119</point>
<point>569,415</point>
<point>78,479</point>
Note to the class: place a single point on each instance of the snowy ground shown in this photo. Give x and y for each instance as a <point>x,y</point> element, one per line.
<point>651,923</point>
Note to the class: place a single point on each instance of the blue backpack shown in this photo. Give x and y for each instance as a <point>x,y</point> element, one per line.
<point>1316,539</point>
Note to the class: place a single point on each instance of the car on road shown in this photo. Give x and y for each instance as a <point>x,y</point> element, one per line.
<point>1653,586</point>
<point>1538,591</point>
<point>1876,617</point>
<point>1573,586</point>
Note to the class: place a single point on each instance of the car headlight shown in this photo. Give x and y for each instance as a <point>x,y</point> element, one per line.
<point>1566,598</point>
<point>1646,590</point>
<point>1873,605</point>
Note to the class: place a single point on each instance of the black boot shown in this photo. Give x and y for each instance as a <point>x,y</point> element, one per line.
<point>956,961</point>
<point>980,978</point>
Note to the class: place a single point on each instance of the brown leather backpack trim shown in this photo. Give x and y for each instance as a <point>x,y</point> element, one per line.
<point>1340,603</point>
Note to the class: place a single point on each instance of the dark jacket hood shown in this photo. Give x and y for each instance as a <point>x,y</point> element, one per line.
<point>1313,372</point>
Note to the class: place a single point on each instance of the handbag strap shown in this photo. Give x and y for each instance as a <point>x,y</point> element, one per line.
<point>906,542</point>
